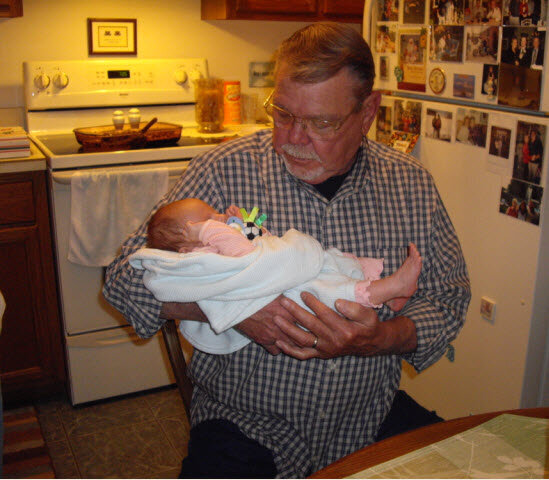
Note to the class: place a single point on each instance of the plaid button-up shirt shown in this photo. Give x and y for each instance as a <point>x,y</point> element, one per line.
<point>311,413</point>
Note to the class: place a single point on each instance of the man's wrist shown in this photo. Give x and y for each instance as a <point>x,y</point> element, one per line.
<point>399,336</point>
<point>182,311</point>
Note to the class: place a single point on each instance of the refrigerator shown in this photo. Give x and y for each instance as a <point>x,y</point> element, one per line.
<point>465,92</point>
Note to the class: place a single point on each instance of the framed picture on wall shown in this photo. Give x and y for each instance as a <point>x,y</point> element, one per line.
<point>112,36</point>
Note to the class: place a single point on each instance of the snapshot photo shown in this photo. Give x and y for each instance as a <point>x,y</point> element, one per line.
<point>413,11</point>
<point>482,44</point>
<point>500,142</point>
<point>490,81</point>
<point>384,68</point>
<point>446,44</point>
<point>529,150</point>
<point>519,86</point>
<point>471,127</point>
<point>388,10</point>
<point>464,85</point>
<point>446,12</point>
<point>525,12</point>
<point>523,46</point>
<point>407,116</point>
<point>483,12</point>
<point>404,142</point>
<point>386,39</point>
<point>522,201</point>
<point>438,124</point>
<point>412,58</point>
<point>383,124</point>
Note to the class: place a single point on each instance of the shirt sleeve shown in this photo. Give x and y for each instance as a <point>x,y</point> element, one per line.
<point>123,287</point>
<point>439,306</point>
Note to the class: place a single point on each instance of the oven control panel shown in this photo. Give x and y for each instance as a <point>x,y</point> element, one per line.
<point>102,83</point>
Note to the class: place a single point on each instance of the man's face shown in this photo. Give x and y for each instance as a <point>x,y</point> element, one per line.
<point>535,42</point>
<point>315,160</point>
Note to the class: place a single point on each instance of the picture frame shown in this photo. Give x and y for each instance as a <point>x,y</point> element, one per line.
<point>112,36</point>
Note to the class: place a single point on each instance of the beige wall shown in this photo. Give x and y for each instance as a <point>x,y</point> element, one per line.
<point>57,30</point>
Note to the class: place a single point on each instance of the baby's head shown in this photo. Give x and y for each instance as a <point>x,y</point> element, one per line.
<point>166,225</point>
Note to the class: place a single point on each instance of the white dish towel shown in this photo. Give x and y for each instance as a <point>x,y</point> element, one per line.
<point>106,207</point>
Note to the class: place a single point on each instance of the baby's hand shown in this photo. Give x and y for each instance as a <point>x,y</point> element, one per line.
<point>234,211</point>
<point>191,231</point>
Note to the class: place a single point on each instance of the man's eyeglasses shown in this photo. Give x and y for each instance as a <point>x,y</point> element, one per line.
<point>317,128</point>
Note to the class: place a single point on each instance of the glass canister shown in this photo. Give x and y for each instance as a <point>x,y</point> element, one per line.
<point>209,104</point>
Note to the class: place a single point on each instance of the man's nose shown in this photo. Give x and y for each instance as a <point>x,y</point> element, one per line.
<point>298,134</point>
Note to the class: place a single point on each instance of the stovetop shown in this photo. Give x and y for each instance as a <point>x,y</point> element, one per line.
<point>63,152</point>
<point>66,144</point>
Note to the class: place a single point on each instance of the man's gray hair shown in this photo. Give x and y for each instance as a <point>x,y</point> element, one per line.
<point>319,51</point>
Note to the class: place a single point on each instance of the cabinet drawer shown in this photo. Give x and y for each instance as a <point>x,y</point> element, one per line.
<point>16,202</point>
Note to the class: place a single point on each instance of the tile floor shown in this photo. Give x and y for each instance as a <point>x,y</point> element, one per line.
<point>140,436</point>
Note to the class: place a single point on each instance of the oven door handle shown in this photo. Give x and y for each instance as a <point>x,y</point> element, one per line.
<point>64,178</point>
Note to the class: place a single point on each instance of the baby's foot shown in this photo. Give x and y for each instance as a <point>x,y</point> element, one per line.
<point>406,279</point>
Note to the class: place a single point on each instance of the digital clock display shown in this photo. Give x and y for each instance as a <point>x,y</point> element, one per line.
<point>118,73</point>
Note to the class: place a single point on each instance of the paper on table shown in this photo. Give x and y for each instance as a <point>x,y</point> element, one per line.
<point>508,446</point>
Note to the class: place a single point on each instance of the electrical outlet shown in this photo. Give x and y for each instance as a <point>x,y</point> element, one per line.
<point>488,309</point>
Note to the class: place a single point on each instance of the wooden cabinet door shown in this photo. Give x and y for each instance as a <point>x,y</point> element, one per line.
<point>353,8</point>
<point>24,343</point>
<point>11,8</point>
<point>285,10</point>
<point>284,7</point>
<point>31,350</point>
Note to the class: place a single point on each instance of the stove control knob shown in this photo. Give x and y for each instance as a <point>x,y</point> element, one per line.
<point>42,81</point>
<point>180,76</point>
<point>61,80</point>
<point>195,75</point>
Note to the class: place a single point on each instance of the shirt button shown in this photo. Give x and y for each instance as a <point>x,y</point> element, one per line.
<point>333,364</point>
<point>322,414</point>
<point>328,210</point>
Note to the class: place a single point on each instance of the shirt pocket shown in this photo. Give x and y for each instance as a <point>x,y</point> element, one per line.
<point>392,258</point>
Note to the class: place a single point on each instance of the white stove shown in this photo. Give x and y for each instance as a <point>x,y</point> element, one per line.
<point>105,358</point>
<point>62,96</point>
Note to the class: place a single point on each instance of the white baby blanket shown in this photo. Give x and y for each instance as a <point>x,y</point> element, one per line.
<point>230,289</point>
<point>108,206</point>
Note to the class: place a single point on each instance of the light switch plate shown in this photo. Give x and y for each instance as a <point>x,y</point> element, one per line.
<point>488,309</point>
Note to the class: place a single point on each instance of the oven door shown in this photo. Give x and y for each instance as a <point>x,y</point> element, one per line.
<point>84,308</point>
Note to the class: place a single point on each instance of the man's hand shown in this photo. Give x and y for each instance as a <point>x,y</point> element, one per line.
<point>262,329</point>
<point>352,330</point>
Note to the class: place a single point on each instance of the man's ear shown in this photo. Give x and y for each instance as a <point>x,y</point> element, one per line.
<point>370,108</point>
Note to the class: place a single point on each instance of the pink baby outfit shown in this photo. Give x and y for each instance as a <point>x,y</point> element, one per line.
<point>220,238</point>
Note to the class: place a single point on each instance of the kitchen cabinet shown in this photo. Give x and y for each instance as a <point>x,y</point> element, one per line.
<point>32,362</point>
<point>288,10</point>
<point>11,8</point>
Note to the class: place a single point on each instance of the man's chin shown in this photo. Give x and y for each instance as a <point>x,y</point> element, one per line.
<point>306,170</point>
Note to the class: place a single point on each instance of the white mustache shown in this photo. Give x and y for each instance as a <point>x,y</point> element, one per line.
<point>299,152</point>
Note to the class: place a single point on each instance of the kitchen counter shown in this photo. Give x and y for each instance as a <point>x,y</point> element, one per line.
<point>36,161</point>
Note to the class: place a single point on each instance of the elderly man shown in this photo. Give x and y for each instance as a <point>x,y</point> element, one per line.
<point>296,399</point>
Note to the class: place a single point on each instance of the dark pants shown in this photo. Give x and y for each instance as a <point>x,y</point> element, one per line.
<point>218,449</point>
<point>405,414</point>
